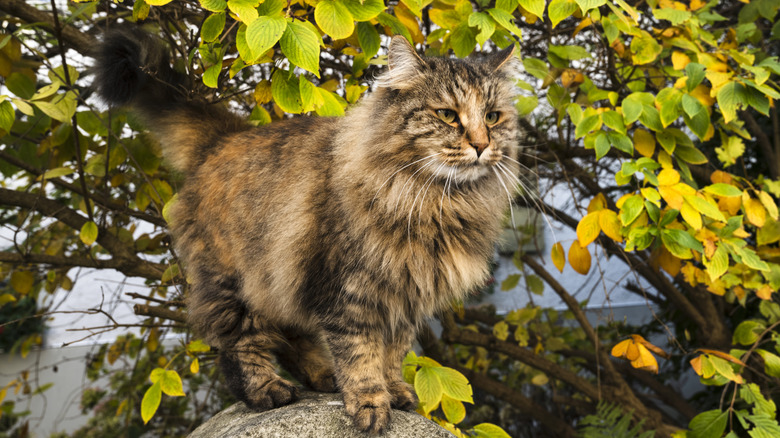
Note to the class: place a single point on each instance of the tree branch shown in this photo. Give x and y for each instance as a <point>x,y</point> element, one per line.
<point>145,269</point>
<point>160,312</point>
<point>124,256</point>
<point>75,39</point>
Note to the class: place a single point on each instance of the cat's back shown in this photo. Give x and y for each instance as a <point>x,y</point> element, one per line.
<point>256,186</point>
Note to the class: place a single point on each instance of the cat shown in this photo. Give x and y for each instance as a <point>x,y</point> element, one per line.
<point>326,242</point>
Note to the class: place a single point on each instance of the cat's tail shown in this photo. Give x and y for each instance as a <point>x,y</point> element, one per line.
<point>133,69</point>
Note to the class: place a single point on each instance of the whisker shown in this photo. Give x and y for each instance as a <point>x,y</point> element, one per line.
<point>533,198</point>
<point>443,192</point>
<point>396,172</point>
<point>427,187</point>
<point>403,188</point>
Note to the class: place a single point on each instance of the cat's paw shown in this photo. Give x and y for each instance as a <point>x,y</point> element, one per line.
<point>370,411</point>
<point>404,397</point>
<point>324,382</point>
<point>275,393</point>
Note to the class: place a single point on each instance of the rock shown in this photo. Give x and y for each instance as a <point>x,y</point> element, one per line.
<point>315,415</point>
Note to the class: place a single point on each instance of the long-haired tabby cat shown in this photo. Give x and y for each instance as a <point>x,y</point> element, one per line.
<point>325,242</point>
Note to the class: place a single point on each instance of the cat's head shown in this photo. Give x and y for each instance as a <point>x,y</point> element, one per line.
<point>460,112</point>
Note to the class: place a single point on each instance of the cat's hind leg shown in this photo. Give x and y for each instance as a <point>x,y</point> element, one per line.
<point>305,356</point>
<point>245,342</point>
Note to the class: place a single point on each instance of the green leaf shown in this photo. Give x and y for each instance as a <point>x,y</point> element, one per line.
<point>718,264</point>
<point>246,10</point>
<point>559,10</point>
<point>731,97</point>
<point>526,104</point>
<point>510,282</point>
<point>709,424</point>
<point>675,16</point>
<point>645,49</point>
<point>88,233</point>
<point>747,332</point>
<point>428,388</point>
<point>632,109</point>
<point>302,46</point>
<point>286,91</point>
<point>536,68</point>
<point>368,38</point>
<point>263,33</point>
<point>587,125</point>
<point>213,5</point>
<point>151,402</point>
<point>487,430</point>
<point>535,7</point>
<point>631,209</point>
<point>271,7</point>
<point>170,273</point>
<point>198,346</point>
<point>211,76</point>
<point>699,123</point>
<point>395,25</point>
<point>212,27</point>
<point>621,142</point>
<point>21,85</point>
<point>454,384</point>
<point>704,207</point>
<point>333,105</point>
<point>505,19</point>
<point>485,24</point>
<point>571,53</point>
<point>453,409</point>
<point>334,18</point>
<point>695,73</point>
<point>771,364</point>
<point>601,144</point>
<point>7,116</point>
<point>366,9</point>
<point>462,40</point>
<point>170,383</point>
<point>679,243</point>
<point>614,120</point>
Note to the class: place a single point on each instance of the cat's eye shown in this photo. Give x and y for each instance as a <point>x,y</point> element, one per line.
<point>447,115</point>
<point>491,118</point>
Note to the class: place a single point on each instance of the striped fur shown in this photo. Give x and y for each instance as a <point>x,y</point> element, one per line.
<point>326,242</point>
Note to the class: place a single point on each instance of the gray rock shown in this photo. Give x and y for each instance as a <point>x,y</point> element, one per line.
<point>315,415</point>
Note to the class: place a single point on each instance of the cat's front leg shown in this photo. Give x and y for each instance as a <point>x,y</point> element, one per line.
<point>403,394</point>
<point>359,354</point>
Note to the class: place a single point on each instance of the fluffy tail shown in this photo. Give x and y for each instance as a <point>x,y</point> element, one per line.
<point>133,69</point>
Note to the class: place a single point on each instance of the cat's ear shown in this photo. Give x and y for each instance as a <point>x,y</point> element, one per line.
<point>403,62</point>
<point>504,60</point>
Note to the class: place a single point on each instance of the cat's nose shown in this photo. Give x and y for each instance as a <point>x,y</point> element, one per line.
<point>479,147</point>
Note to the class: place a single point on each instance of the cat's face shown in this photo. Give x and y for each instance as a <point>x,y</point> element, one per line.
<point>458,115</point>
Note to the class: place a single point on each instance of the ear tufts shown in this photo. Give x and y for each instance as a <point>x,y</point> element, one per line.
<point>403,62</point>
<point>504,60</point>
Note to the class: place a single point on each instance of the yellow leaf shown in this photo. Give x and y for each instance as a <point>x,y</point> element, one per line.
<point>620,349</point>
<point>754,210</point>
<point>722,355</point>
<point>157,2</point>
<point>668,262</point>
<point>657,350</point>
<point>696,364</point>
<point>646,361</point>
<point>680,60</point>
<point>671,196</point>
<point>262,92</point>
<point>697,4</point>
<point>558,256</point>
<point>194,366</point>
<point>769,204</point>
<point>691,216</point>
<point>579,258</point>
<point>731,205</point>
<point>588,229</point>
<point>644,142</point>
<point>668,177</point>
<point>720,176</point>
<point>665,160</point>
<point>610,224</point>
<point>765,292</point>
<point>598,202</point>
<point>22,281</point>
<point>702,92</point>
